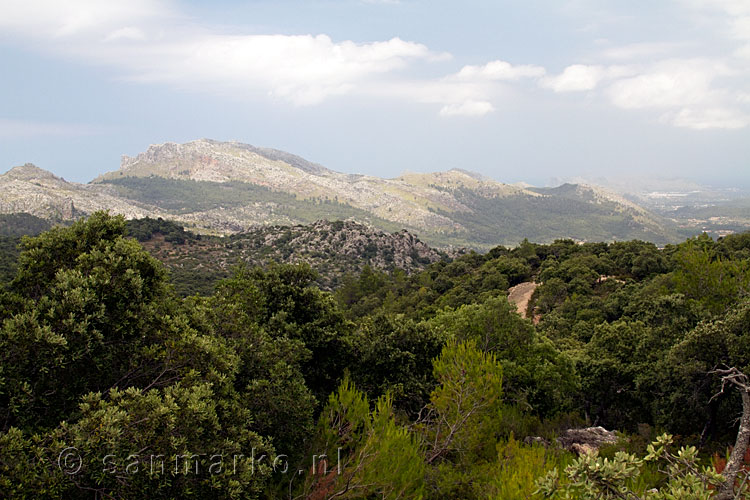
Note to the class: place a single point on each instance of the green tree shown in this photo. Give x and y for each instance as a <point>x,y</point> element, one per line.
<point>283,299</point>
<point>395,356</point>
<point>89,303</point>
<point>96,353</point>
<point>367,454</point>
<point>714,282</point>
<point>536,375</point>
<point>469,395</point>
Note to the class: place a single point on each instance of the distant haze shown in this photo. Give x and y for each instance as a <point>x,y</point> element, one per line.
<point>538,92</point>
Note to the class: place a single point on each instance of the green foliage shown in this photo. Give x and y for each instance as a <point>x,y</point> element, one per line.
<point>144,229</point>
<point>14,225</point>
<point>269,376</point>
<point>283,299</point>
<point>463,406</point>
<point>182,196</point>
<point>92,301</point>
<point>395,356</point>
<point>374,455</point>
<point>613,355</point>
<point>98,355</point>
<point>98,352</point>
<point>591,477</point>
<point>518,467</point>
<point>536,375</point>
<point>703,276</point>
<point>541,217</point>
<point>687,366</point>
<point>12,228</point>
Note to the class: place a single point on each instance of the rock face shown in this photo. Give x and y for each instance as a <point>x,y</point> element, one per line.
<point>347,239</point>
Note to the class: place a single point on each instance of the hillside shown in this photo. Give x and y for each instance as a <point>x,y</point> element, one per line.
<point>97,352</point>
<point>332,249</point>
<point>196,262</point>
<point>30,189</point>
<point>226,187</point>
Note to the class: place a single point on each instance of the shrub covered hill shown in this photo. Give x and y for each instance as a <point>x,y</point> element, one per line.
<point>197,262</point>
<point>423,385</point>
<point>332,249</point>
<point>216,187</point>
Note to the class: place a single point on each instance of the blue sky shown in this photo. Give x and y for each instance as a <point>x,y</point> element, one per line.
<point>517,90</point>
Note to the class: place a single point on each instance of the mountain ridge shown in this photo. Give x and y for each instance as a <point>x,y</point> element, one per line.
<point>226,187</point>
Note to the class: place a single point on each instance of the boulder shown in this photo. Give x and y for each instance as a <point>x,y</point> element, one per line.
<point>586,440</point>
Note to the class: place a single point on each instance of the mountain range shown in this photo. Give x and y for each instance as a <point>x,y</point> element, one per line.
<point>217,188</point>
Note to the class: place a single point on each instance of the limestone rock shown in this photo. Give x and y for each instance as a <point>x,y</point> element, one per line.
<point>586,439</point>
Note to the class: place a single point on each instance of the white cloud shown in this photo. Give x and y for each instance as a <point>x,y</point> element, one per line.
<point>581,77</point>
<point>734,15</point>
<point>499,70</point>
<point>667,84</point>
<point>665,77</point>
<point>743,52</point>
<point>741,27</point>
<point>694,93</point>
<point>467,108</point>
<point>701,119</point>
<point>127,33</point>
<point>150,41</point>
<point>58,19</point>
<point>685,91</point>
<point>576,78</point>
<point>303,69</point>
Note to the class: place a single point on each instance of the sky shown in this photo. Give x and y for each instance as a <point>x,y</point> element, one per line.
<point>523,90</point>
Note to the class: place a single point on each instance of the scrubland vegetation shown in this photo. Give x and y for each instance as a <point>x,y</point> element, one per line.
<point>423,385</point>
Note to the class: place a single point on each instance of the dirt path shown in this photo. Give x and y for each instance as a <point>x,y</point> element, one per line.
<point>520,295</point>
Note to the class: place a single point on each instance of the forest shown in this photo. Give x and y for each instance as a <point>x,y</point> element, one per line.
<point>422,385</point>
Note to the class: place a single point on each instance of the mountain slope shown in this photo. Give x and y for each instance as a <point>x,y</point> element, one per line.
<point>333,249</point>
<point>227,187</point>
<point>30,189</point>
<point>205,160</point>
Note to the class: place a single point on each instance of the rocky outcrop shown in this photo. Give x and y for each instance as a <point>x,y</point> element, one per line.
<point>332,248</point>
<point>586,440</point>
<point>352,240</point>
<point>579,441</point>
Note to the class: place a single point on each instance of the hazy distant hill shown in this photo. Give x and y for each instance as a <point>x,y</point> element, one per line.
<point>227,187</point>
<point>690,206</point>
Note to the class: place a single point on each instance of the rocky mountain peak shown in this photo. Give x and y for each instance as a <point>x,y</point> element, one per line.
<point>28,172</point>
<point>206,153</point>
<point>469,173</point>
